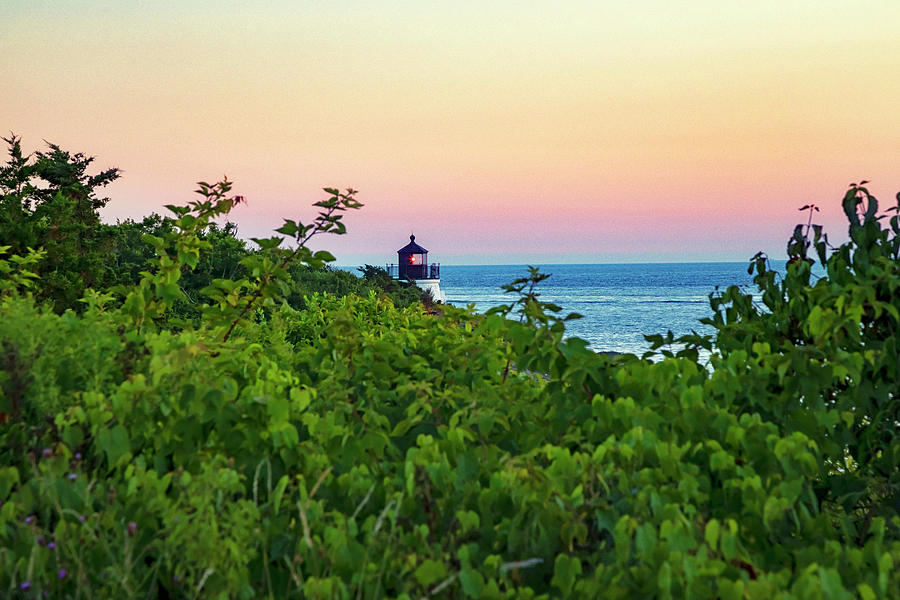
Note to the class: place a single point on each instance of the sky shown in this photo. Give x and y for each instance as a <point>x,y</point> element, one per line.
<point>497,132</point>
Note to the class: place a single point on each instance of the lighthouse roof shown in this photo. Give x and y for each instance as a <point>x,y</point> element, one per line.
<point>412,247</point>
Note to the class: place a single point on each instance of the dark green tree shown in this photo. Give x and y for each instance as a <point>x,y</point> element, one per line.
<point>49,200</point>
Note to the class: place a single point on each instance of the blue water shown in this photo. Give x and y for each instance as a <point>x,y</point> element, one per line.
<point>620,303</point>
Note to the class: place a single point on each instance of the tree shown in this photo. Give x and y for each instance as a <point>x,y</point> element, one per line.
<point>49,200</point>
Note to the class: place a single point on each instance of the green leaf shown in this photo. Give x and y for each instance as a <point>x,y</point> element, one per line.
<point>712,533</point>
<point>830,580</point>
<point>300,397</point>
<point>9,476</point>
<point>289,228</point>
<point>278,408</point>
<point>664,580</point>
<point>850,202</point>
<point>471,581</point>
<point>865,591</point>
<point>566,569</point>
<point>324,256</point>
<point>731,590</point>
<point>279,492</point>
<point>405,425</point>
<point>267,243</point>
<point>113,442</point>
<point>645,539</point>
<point>430,571</point>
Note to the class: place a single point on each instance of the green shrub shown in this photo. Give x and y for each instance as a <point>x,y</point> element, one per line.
<point>349,447</point>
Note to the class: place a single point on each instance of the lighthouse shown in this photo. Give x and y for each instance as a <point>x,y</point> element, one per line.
<point>412,263</point>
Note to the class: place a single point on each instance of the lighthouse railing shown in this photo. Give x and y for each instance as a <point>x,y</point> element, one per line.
<point>429,271</point>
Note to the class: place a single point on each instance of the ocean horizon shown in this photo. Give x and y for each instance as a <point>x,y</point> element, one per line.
<point>620,303</point>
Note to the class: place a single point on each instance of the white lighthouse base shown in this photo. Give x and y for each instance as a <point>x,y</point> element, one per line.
<point>435,286</point>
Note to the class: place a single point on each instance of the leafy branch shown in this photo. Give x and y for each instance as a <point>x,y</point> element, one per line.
<point>156,292</point>
<point>269,269</point>
<point>532,311</point>
<point>538,316</point>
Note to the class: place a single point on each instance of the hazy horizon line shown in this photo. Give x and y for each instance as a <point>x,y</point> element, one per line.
<point>571,264</point>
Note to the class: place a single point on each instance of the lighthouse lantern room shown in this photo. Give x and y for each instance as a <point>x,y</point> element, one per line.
<point>412,261</point>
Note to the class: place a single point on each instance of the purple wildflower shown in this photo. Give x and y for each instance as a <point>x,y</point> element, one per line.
<point>47,452</point>
<point>25,586</point>
<point>82,518</point>
<point>61,573</point>
<point>78,456</point>
<point>72,476</point>
<point>40,540</point>
<point>132,528</point>
<point>52,545</point>
<point>29,519</point>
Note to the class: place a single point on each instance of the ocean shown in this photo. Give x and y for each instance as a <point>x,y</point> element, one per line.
<point>620,303</point>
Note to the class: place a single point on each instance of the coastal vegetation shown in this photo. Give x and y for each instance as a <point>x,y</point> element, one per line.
<point>183,416</point>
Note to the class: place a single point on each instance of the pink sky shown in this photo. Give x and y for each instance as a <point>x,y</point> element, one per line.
<point>496,132</point>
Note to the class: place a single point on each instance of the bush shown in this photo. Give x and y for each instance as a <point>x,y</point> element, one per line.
<point>350,447</point>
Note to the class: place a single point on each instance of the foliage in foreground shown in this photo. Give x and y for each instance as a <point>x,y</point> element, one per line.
<point>351,449</point>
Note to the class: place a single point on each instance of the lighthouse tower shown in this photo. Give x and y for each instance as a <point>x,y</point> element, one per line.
<point>412,263</point>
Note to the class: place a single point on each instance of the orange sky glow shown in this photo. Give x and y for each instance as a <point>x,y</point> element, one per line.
<point>503,132</point>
